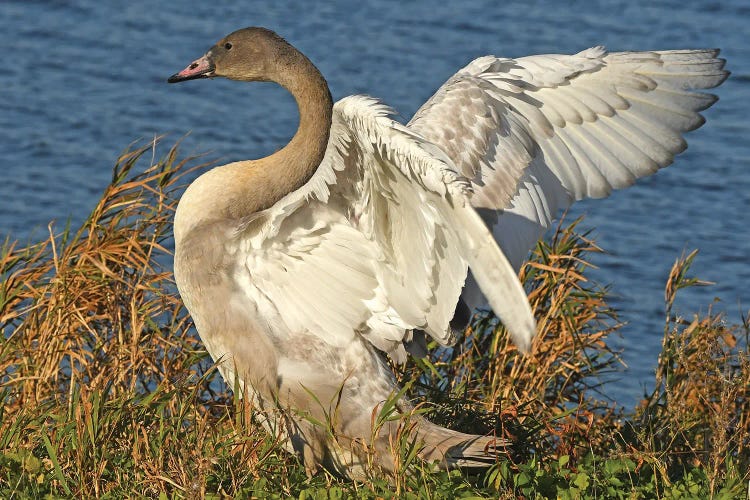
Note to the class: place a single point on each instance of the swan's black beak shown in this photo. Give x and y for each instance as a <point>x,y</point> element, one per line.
<point>200,68</point>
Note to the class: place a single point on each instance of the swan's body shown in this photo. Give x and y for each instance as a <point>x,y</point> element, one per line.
<point>301,268</point>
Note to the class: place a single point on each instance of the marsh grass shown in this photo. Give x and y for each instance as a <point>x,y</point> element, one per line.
<point>107,392</point>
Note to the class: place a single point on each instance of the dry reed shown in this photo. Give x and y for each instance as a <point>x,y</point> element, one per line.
<point>106,390</point>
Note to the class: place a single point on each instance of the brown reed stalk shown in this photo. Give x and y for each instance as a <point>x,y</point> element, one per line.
<point>105,390</point>
<point>699,412</point>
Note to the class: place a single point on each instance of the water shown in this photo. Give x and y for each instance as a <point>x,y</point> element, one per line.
<point>82,82</point>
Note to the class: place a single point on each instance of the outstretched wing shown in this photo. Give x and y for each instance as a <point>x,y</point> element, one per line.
<point>378,242</point>
<point>537,133</point>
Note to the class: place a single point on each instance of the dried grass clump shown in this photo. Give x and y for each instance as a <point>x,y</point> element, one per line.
<point>105,389</point>
<point>100,372</point>
<point>699,412</point>
<point>91,305</point>
<point>546,401</point>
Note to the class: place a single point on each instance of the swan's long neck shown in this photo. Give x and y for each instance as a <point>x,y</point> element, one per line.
<point>240,189</point>
<point>291,167</point>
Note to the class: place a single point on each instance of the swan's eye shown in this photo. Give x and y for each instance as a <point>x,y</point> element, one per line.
<point>227,45</point>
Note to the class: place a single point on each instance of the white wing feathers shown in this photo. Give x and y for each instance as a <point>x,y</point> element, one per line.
<point>316,275</point>
<point>536,133</point>
<point>377,243</point>
<point>498,280</point>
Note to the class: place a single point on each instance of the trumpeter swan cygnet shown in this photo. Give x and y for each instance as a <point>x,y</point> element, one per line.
<point>303,269</point>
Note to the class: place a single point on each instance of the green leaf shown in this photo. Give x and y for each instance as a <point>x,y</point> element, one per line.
<point>582,480</point>
<point>53,457</point>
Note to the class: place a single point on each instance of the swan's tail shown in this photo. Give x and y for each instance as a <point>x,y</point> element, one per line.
<point>497,279</point>
<point>456,449</point>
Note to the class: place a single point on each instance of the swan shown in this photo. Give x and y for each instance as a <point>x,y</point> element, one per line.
<point>304,269</point>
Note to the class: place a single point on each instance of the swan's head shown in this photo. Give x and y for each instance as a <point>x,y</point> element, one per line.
<point>249,54</point>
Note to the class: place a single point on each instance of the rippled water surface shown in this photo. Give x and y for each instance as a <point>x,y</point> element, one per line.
<point>82,80</point>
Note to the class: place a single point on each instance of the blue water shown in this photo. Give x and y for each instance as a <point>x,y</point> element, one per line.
<point>82,82</point>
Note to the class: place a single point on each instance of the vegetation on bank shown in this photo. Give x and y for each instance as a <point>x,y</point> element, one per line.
<point>107,392</point>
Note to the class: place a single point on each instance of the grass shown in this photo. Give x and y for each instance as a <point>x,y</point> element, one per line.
<point>107,392</point>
